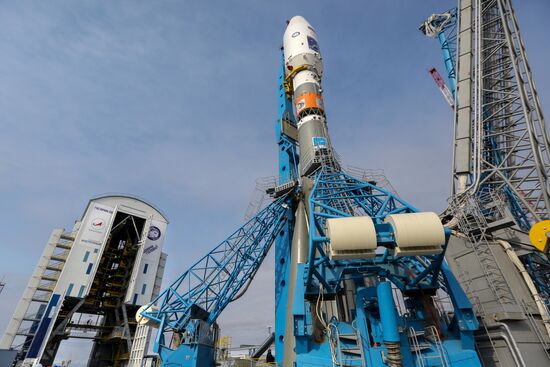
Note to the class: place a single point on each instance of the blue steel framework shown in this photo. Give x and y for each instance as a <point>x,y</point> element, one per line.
<point>204,290</point>
<point>336,194</point>
<point>288,171</point>
<point>444,25</point>
<point>188,309</point>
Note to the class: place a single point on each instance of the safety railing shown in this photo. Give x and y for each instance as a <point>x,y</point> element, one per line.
<point>249,362</point>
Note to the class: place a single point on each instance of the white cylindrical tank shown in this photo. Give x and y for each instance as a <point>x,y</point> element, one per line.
<point>417,234</point>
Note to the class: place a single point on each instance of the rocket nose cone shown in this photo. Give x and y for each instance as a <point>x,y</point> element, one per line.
<point>298,24</point>
<point>298,19</point>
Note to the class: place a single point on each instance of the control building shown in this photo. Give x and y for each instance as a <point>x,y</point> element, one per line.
<point>89,283</point>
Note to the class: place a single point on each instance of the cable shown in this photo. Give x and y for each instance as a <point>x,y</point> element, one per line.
<point>320,300</point>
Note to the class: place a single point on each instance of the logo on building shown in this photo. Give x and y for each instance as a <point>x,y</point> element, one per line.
<point>150,249</point>
<point>154,233</point>
<point>98,225</point>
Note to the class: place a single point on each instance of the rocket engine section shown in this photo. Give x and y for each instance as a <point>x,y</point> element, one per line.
<point>304,70</point>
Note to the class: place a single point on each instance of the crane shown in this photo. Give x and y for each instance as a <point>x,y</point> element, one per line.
<point>360,273</point>
<point>442,86</point>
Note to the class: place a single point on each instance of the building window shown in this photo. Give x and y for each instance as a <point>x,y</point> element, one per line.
<point>143,289</point>
<point>135,298</point>
<point>89,270</point>
<point>70,289</point>
<point>86,255</point>
<point>96,251</point>
<point>145,267</point>
<point>81,291</point>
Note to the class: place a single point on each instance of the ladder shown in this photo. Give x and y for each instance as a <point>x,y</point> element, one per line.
<point>427,340</point>
<point>466,282</point>
<point>349,350</point>
<point>535,328</point>
<point>472,222</point>
<point>433,335</point>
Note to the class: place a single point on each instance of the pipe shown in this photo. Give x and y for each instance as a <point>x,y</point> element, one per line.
<point>501,336</point>
<point>510,341</point>
<point>529,282</point>
<point>388,313</point>
<point>299,237</point>
<point>453,223</point>
<point>388,318</point>
<point>264,346</point>
<point>301,240</point>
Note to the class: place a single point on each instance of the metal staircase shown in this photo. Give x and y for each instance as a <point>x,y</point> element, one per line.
<point>477,217</point>
<point>533,324</point>
<point>349,350</point>
<point>466,282</point>
<point>260,196</point>
<point>374,176</point>
<point>426,345</point>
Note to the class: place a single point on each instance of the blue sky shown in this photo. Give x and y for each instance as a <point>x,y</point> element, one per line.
<point>175,101</point>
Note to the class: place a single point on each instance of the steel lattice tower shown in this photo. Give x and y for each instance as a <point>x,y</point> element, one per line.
<point>501,142</point>
<point>500,170</point>
<point>513,152</point>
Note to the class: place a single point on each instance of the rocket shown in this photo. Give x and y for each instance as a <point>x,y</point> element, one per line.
<point>303,73</point>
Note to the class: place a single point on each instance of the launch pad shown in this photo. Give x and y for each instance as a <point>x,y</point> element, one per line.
<point>362,277</point>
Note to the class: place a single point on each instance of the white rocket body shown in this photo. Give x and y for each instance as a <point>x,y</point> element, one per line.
<point>304,70</point>
<point>304,67</point>
<point>301,45</point>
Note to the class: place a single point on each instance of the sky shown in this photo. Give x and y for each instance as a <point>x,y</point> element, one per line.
<point>175,102</point>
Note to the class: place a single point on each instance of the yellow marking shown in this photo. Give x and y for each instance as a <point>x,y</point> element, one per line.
<point>288,80</point>
<point>539,235</point>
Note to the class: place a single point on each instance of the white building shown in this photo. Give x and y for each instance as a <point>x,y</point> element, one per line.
<point>90,281</point>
